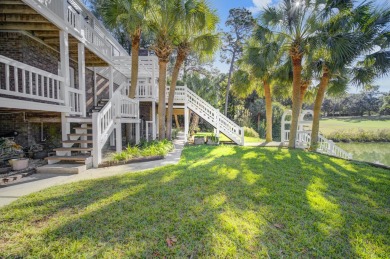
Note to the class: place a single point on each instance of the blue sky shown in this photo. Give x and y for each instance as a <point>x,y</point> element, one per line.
<point>223,7</point>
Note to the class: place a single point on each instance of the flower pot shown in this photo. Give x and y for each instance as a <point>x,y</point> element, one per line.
<point>19,164</point>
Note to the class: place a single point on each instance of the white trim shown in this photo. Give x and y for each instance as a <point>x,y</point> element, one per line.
<point>30,105</point>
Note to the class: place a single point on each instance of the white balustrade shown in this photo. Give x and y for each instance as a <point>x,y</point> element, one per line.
<point>146,90</point>
<point>85,25</point>
<point>22,80</point>
<point>75,100</point>
<point>213,116</point>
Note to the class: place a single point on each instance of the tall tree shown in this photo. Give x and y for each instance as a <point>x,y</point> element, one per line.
<point>129,15</point>
<point>240,23</point>
<point>296,21</point>
<point>196,33</point>
<point>163,19</point>
<point>345,37</point>
<point>261,59</point>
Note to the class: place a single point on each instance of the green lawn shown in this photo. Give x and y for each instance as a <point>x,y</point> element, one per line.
<point>223,138</point>
<point>328,126</point>
<point>221,202</point>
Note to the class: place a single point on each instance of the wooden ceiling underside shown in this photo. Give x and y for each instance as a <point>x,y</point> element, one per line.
<point>16,15</point>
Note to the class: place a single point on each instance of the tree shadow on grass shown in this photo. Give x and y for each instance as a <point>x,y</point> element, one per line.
<point>217,202</point>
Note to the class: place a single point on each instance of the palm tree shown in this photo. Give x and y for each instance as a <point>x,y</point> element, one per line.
<point>348,36</point>
<point>261,59</point>
<point>163,19</point>
<point>130,15</point>
<point>296,21</point>
<point>194,34</point>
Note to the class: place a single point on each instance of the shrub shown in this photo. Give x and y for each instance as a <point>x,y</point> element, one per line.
<point>250,132</point>
<point>360,135</point>
<point>144,149</point>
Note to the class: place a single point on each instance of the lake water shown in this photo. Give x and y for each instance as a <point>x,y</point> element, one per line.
<point>370,152</point>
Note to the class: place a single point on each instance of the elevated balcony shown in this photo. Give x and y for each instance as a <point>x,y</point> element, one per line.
<point>68,15</point>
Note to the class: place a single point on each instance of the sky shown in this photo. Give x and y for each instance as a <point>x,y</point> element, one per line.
<point>223,7</point>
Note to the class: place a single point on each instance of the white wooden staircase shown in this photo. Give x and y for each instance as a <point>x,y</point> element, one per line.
<point>212,115</point>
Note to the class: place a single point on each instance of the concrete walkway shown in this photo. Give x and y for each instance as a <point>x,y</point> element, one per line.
<point>37,182</point>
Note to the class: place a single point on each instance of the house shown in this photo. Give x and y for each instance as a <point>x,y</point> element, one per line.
<point>63,74</point>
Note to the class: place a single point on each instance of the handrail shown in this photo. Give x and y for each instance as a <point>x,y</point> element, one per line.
<point>31,82</point>
<point>325,145</point>
<point>214,116</point>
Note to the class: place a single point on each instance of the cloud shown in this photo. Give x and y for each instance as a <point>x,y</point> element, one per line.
<point>258,5</point>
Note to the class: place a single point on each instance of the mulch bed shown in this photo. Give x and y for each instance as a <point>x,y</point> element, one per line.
<point>131,161</point>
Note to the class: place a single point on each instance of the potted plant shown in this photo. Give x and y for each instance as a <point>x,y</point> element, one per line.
<point>19,164</point>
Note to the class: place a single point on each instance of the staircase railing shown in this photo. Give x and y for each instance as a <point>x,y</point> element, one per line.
<point>103,122</point>
<point>214,117</point>
<point>325,145</point>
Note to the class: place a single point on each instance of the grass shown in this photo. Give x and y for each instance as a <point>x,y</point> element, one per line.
<point>221,202</point>
<point>223,138</point>
<point>371,152</point>
<point>328,125</point>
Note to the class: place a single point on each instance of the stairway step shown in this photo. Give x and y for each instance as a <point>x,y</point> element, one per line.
<point>68,158</point>
<point>87,128</point>
<point>78,141</point>
<point>87,149</point>
<point>63,168</point>
<point>80,135</point>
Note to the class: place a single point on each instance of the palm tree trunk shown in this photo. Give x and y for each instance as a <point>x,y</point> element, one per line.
<point>296,103</point>
<point>135,43</point>
<point>317,107</point>
<point>181,56</point>
<point>229,82</point>
<point>162,72</point>
<point>194,123</point>
<point>304,87</point>
<point>268,111</point>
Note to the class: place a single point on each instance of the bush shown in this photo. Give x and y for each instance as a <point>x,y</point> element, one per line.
<point>360,135</point>
<point>144,149</point>
<point>249,132</point>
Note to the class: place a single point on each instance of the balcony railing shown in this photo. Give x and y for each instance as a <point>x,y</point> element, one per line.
<point>84,25</point>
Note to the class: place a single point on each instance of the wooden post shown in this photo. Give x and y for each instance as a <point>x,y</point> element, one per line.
<point>95,101</point>
<point>154,119</point>
<point>111,81</point>
<point>118,132</point>
<point>217,122</point>
<point>137,133</point>
<point>97,151</point>
<point>186,123</point>
<point>81,65</point>
<point>64,56</point>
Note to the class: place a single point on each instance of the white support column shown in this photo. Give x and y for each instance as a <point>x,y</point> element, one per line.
<point>154,119</point>
<point>64,56</point>
<point>81,65</point>
<point>118,136</point>
<point>97,150</point>
<point>217,123</point>
<point>111,81</point>
<point>65,126</point>
<point>186,123</point>
<point>112,139</point>
<point>137,132</point>
<point>94,87</point>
